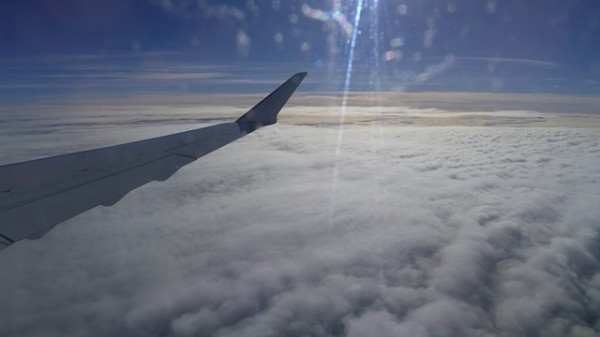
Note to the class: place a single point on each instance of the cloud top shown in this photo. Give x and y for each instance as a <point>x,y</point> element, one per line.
<point>437,231</point>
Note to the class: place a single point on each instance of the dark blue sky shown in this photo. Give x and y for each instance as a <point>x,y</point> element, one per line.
<point>489,45</point>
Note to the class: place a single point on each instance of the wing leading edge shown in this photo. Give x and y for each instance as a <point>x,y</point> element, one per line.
<point>37,195</point>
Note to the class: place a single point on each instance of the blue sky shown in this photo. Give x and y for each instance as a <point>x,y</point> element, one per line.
<point>426,45</point>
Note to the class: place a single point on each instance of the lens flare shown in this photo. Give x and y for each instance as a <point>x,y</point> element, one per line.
<point>361,53</point>
<point>340,137</point>
<point>335,15</point>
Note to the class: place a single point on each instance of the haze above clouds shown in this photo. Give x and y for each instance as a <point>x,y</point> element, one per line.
<point>403,230</point>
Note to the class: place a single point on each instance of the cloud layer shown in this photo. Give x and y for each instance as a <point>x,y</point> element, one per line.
<point>393,231</point>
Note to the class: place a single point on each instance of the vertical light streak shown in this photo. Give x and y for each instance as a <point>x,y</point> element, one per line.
<point>347,81</point>
<point>351,54</point>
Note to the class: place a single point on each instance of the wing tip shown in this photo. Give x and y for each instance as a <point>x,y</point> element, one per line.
<point>265,112</point>
<point>298,77</point>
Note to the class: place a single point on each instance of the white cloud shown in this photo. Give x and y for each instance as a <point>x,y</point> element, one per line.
<point>428,231</point>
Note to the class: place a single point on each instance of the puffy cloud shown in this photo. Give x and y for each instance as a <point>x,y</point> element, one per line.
<point>409,231</point>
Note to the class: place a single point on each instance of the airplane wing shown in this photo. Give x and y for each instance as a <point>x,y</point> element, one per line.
<point>37,195</point>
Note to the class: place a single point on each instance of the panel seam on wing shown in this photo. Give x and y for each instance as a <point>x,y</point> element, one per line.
<point>25,202</point>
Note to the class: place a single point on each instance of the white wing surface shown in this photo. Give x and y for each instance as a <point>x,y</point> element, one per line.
<point>37,195</point>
